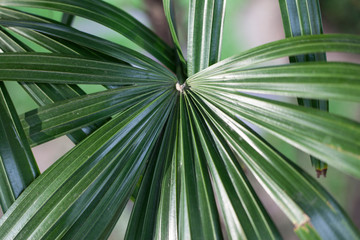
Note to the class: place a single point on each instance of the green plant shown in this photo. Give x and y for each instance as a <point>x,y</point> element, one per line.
<point>170,134</point>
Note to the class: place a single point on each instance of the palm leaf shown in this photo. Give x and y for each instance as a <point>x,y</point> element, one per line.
<point>305,203</point>
<point>17,164</point>
<point>318,133</point>
<point>143,222</point>
<point>284,48</point>
<point>56,45</point>
<point>244,216</point>
<point>54,120</point>
<point>305,19</point>
<point>49,68</point>
<point>44,94</point>
<point>316,80</point>
<point>52,33</point>
<point>170,16</point>
<point>196,201</point>
<point>205,25</point>
<point>177,154</point>
<point>86,175</point>
<point>109,16</point>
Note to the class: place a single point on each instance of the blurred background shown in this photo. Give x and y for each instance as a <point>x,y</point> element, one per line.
<point>248,23</point>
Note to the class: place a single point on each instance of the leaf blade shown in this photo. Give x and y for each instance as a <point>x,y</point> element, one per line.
<point>298,195</point>
<point>142,223</point>
<point>244,215</point>
<point>54,120</point>
<point>305,19</point>
<point>196,197</point>
<point>50,68</point>
<point>304,130</point>
<point>205,25</point>
<point>316,80</point>
<point>284,48</point>
<point>109,16</point>
<point>37,220</point>
<point>49,33</point>
<point>16,157</point>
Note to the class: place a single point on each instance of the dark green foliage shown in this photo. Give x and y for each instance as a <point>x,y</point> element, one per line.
<point>168,132</point>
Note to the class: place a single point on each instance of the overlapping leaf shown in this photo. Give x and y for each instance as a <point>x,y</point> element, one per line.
<point>205,25</point>
<point>315,80</point>
<point>284,48</point>
<point>244,215</point>
<point>51,33</point>
<point>305,19</point>
<point>170,16</point>
<point>331,138</point>
<point>49,68</point>
<point>305,202</point>
<point>97,173</point>
<point>17,164</point>
<point>44,94</point>
<point>193,185</point>
<point>143,223</point>
<point>109,16</point>
<point>196,201</point>
<point>60,118</point>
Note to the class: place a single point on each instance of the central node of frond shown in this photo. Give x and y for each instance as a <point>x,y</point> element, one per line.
<point>181,87</point>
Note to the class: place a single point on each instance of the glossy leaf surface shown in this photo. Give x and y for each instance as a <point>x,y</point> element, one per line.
<point>206,19</point>
<point>243,214</point>
<point>305,19</point>
<point>109,16</point>
<point>178,146</point>
<point>17,163</point>
<point>315,80</point>
<point>85,180</point>
<point>318,133</point>
<point>60,118</point>
<point>284,48</point>
<point>290,188</point>
<point>48,68</point>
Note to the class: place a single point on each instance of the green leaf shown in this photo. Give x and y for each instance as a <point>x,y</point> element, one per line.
<point>54,120</point>
<point>313,80</point>
<point>331,138</point>
<point>9,44</point>
<point>98,220</point>
<point>109,16</point>
<point>301,18</point>
<point>50,68</point>
<point>307,231</point>
<point>142,223</point>
<point>167,214</point>
<point>299,196</point>
<point>197,206</point>
<point>284,48</point>
<point>72,38</point>
<point>243,215</point>
<point>104,168</point>
<point>347,228</point>
<point>44,94</point>
<point>181,67</point>
<point>186,200</point>
<point>7,196</point>
<point>205,26</point>
<point>67,19</point>
<point>16,160</point>
<point>52,44</point>
<point>304,18</point>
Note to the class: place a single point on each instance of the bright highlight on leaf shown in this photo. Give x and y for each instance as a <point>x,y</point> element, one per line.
<point>171,128</point>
